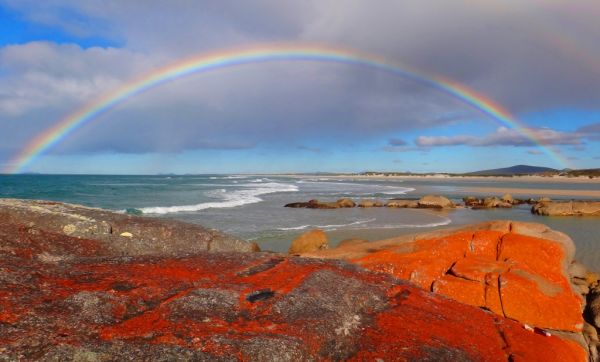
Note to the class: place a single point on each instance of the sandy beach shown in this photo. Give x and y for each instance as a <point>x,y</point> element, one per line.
<point>529,178</point>
<point>534,192</point>
<point>593,192</point>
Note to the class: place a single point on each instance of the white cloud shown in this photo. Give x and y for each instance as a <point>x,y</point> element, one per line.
<point>47,75</point>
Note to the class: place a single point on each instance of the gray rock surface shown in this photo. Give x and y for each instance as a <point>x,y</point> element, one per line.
<point>113,233</point>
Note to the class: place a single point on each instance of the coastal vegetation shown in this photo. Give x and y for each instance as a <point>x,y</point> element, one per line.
<point>514,171</point>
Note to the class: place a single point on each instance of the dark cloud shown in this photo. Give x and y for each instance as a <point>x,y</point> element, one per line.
<point>503,49</point>
<point>405,149</point>
<point>504,137</point>
<point>310,149</point>
<point>397,142</point>
<point>510,50</point>
<point>590,131</point>
<point>590,128</point>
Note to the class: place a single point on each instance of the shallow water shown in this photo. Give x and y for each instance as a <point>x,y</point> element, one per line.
<point>251,207</point>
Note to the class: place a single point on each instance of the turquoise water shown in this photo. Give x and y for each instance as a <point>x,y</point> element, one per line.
<point>251,207</point>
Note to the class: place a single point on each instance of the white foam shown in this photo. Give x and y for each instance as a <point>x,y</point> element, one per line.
<point>302,227</point>
<point>400,191</point>
<point>372,188</point>
<point>230,177</point>
<point>446,221</point>
<point>230,199</point>
<point>234,177</point>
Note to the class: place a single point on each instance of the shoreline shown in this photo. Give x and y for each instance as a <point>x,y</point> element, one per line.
<point>528,178</point>
<point>532,192</point>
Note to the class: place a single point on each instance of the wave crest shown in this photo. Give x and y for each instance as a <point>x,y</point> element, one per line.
<point>230,199</point>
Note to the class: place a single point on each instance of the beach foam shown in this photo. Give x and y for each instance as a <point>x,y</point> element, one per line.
<point>230,199</point>
<point>358,189</point>
<point>445,221</point>
<point>302,227</point>
<point>229,177</point>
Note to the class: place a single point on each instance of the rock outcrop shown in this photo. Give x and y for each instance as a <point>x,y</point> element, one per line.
<point>494,202</point>
<point>515,270</point>
<point>108,233</point>
<point>411,204</point>
<point>426,202</point>
<point>567,208</point>
<point>248,306</point>
<point>508,198</point>
<point>66,296</point>
<point>435,202</point>
<point>308,242</point>
<point>316,204</point>
<point>370,203</point>
<point>587,284</point>
<point>506,201</point>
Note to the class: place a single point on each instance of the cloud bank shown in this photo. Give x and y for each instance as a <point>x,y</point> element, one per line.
<point>505,137</point>
<point>528,56</point>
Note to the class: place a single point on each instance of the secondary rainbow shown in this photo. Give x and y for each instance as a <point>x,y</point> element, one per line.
<point>257,54</point>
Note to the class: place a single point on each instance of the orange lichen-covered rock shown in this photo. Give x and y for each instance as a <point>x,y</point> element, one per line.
<point>523,277</point>
<point>60,301</point>
<point>245,306</point>
<point>421,262</point>
<point>531,299</point>
<point>477,269</point>
<point>484,244</point>
<point>462,290</point>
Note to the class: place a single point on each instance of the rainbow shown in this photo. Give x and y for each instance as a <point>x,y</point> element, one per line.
<point>251,55</point>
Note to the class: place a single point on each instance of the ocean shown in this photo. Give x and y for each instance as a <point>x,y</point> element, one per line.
<point>251,207</point>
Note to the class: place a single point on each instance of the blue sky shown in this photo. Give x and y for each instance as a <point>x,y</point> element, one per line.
<point>58,55</point>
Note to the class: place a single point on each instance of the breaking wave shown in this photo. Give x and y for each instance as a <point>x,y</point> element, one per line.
<point>229,198</point>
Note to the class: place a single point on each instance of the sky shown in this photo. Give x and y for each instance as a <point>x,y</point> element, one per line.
<point>539,60</point>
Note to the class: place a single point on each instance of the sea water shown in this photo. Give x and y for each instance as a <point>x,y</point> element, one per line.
<point>251,207</point>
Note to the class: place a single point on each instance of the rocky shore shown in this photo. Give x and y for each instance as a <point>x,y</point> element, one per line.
<point>86,284</point>
<point>543,206</point>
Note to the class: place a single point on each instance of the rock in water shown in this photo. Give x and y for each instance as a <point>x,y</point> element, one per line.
<point>508,198</point>
<point>492,202</point>
<point>567,208</point>
<point>345,203</point>
<point>370,203</point>
<point>436,202</point>
<point>471,201</point>
<point>412,204</point>
<point>308,242</point>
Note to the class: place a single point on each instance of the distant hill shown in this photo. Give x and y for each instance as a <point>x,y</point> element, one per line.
<point>514,170</point>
